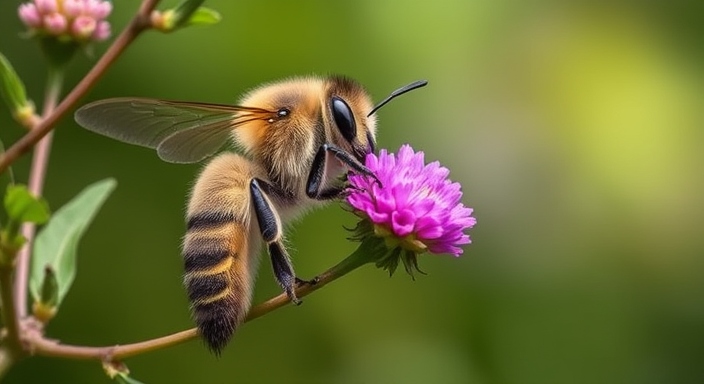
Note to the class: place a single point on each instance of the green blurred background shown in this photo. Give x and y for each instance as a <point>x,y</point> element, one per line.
<point>576,131</point>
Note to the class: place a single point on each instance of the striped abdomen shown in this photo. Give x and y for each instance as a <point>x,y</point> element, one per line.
<point>220,258</point>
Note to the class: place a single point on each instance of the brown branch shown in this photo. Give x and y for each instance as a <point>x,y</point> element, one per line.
<point>45,347</point>
<point>138,24</point>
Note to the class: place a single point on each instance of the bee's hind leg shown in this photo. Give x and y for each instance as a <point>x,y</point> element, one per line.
<point>313,281</point>
<point>271,231</point>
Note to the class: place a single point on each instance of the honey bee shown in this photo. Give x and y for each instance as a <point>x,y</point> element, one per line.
<point>295,140</point>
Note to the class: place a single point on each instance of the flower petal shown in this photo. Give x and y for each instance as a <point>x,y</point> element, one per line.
<point>403,222</point>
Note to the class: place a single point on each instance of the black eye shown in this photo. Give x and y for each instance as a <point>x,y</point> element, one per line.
<point>283,112</point>
<point>344,119</point>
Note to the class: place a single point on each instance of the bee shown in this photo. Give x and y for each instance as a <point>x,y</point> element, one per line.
<point>295,140</point>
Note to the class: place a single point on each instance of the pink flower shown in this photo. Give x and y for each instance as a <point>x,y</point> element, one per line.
<point>98,9</point>
<point>73,8</point>
<point>46,6</point>
<point>102,31</point>
<point>55,23</point>
<point>83,27</point>
<point>81,20</point>
<point>29,14</point>
<point>415,209</point>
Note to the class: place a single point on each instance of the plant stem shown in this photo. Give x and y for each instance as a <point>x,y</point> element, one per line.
<point>6,361</point>
<point>344,267</point>
<point>37,175</point>
<point>139,23</point>
<point>14,302</point>
<point>9,315</point>
<point>46,347</point>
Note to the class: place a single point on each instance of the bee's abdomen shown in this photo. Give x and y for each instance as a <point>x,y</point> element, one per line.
<point>216,275</point>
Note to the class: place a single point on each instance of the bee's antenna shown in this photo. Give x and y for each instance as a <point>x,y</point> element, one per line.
<point>399,92</point>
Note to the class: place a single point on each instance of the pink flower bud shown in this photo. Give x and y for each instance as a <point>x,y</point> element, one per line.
<point>83,20</point>
<point>97,8</point>
<point>73,8</point>
<point>46,7</point>
<point>83,27</point>
<point>30,15</point>
<point>55,23</point>
<point>102,31</point>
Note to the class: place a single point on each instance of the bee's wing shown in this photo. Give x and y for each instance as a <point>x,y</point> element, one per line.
<point>195,144</point>
<point>181,132</point>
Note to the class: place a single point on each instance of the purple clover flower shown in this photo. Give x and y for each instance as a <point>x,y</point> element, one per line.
<point>78,20</point>
<point>415,209</point>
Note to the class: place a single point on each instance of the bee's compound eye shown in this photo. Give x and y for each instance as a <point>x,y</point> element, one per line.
<point>283,112</point>
<point>344,119</point>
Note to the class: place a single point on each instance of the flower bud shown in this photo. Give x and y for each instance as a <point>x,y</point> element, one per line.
<point>13,91</point>
<point>83,27</point>
<point>45,308</point>
<point>29,14</point>
<point>80,21</point>
<point>97,8</point>
<point>102,31</point>
<point>46,6</point>
<point>73,8</point>
<point>55,23</point>
<point>162,21</point>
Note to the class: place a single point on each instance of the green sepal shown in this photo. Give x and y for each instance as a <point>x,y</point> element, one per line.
<point>384,250</point>
<point>14,93</point>
<point>56,244</point>
<point>57,51</point>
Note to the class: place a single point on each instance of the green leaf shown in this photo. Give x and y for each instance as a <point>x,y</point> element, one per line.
<point>57,243</point>
<point>21,206</point>
<point>183,12</point>
<point>13,91</point>
<point>204,16</point>
<point>124,378</point>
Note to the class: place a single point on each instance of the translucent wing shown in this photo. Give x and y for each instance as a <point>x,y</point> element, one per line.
<point>194,144</point>
<point>181,132</point>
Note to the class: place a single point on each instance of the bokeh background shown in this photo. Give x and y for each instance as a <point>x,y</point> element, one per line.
<point>575,129</point>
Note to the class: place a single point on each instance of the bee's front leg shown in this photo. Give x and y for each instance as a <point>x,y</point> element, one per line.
<point>316,188</point>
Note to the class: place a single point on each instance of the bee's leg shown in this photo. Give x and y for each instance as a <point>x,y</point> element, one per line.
<point>315,188</point>
<point>270,228</point>
<point>313,281</point>
<point>283,270</point>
